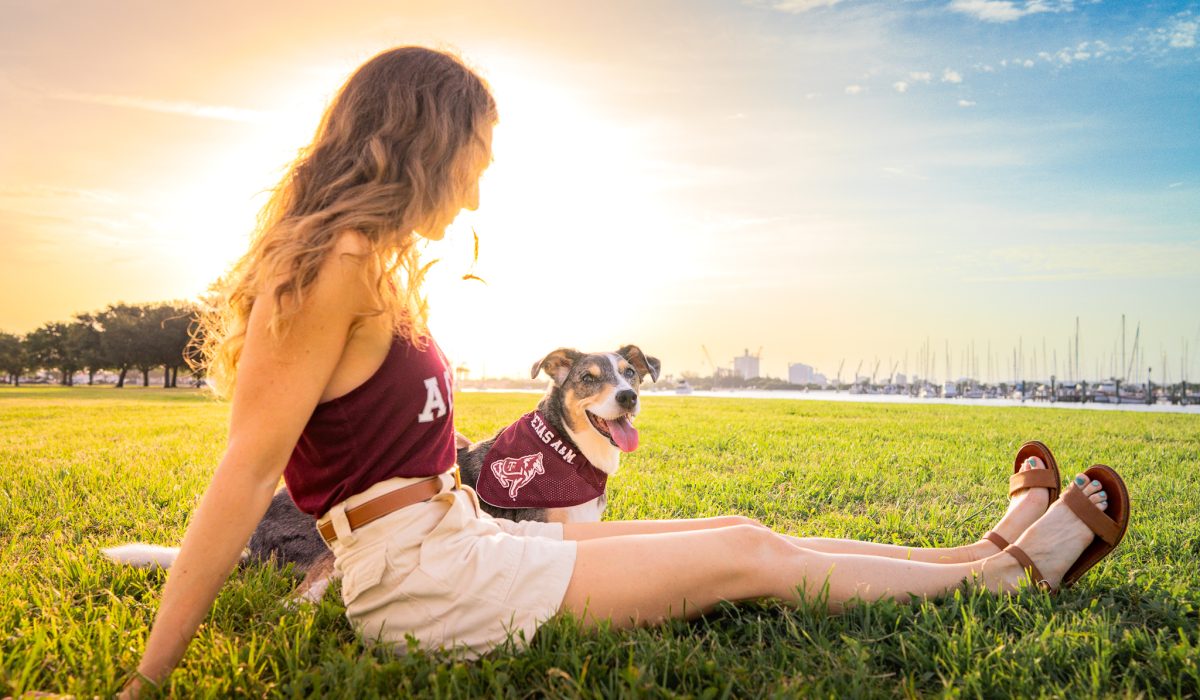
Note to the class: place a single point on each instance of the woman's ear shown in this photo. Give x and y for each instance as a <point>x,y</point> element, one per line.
<point>557,364</point>
<point>643,363</point>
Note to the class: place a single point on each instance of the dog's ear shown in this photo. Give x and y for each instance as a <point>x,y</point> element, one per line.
<point>557,364</point>
<point>643,363</point>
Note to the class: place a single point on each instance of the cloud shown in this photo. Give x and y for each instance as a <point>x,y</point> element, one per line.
<point>1183,35</point>
<point>900,86</point>
<point>901,172</point>
<point>1173,185</point>
<point>1099,261</point>
<point>921,76</point>
<point>1083,51</point>
<point>1007,10</point>
<point>1179,32</point>
<point>48,192</point>
<point>966,103</point>
<point>951,76</point>
<point>854,89</point>
<point>795,7</point>
<point>190,109</point>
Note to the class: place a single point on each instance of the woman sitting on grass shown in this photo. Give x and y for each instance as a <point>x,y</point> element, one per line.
<point>322,346</point>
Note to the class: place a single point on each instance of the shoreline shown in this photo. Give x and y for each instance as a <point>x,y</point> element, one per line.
<point>846,397</point>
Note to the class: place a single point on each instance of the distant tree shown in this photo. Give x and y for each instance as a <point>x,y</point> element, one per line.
<point>169,335</point>
<point>49,347</point>
<point>182,326</point>
<point>120,339</point>
<point>13,359</point>
<point>85,342</point>
<point>148,350</point>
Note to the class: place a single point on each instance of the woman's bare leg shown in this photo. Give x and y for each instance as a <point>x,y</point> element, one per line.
<point>1023,509</point>
<point>643,579</point>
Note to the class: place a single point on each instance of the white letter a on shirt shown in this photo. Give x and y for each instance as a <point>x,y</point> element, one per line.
<point>433,402</point>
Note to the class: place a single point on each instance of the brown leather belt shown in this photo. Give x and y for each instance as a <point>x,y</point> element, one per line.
<point>389,502</point>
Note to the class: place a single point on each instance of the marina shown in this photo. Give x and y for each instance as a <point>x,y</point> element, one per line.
<point>845,396</point>
<point>1192,408</point>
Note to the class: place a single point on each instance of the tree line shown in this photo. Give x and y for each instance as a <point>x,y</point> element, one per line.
<point>119,338</point>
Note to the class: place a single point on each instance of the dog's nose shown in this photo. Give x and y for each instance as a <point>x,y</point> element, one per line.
<point>627,398</point>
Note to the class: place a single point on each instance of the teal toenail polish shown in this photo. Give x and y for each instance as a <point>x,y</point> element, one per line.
<point>1095,483</point>
<point>1080,481</point>
<point>1103,496</point>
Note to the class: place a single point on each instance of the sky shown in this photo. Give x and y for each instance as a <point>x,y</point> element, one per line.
<point>817,181</point>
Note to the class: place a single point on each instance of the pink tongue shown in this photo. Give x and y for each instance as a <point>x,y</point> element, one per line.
<point>624,434</point>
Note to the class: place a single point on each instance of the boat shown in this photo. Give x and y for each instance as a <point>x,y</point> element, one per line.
<point>682,387</point>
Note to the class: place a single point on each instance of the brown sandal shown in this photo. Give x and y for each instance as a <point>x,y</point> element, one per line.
<point>1109,525</point>
<point>1047,478</point>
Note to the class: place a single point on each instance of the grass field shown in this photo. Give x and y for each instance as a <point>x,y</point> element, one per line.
<point>87,468</point>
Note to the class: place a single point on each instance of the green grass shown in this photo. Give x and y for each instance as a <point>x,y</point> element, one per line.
<point>87,468</point>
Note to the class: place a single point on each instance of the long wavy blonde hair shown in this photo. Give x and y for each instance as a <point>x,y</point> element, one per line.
<point>391,154</point>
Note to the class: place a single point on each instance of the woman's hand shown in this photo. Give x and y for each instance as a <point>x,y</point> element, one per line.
<point>133,689</point>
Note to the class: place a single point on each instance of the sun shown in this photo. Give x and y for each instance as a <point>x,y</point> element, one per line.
<point>571,187</point>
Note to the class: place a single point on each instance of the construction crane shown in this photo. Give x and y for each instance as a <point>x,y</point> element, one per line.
<point>857,370</point>
<point>892,374</point>
<point>875,372</point>
<point>710,360</point>
<point>839,373</point>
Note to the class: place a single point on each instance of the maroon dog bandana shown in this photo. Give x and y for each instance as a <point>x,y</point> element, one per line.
<point>530,466</point>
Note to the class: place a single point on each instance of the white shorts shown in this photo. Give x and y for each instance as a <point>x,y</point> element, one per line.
<point>447,573</point>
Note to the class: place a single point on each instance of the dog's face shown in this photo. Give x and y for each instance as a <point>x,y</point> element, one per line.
<point>599,393</point>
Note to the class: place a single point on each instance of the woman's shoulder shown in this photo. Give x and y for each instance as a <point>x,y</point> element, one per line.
<point>353,243</point>
<point>341,284</point>
<point>349,271</point>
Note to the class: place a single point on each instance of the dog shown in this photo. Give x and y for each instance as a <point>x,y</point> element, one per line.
<point>551,465</point>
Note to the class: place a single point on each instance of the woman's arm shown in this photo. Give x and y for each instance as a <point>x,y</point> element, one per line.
<point>279,382</point>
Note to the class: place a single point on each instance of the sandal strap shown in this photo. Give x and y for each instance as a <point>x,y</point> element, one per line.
<point>1031,479</point>
<point>1027,564</point>
<point>1103,526</point>
<point>996,539</point>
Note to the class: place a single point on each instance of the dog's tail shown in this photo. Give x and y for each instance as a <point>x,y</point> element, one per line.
<point>148,556</point>
<point>143,556</point>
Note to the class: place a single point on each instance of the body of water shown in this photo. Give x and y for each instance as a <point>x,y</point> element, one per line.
<point>886,398</point>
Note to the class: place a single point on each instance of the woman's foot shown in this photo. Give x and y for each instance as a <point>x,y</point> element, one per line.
<point>1024,508</point>
<point>1054,543</point>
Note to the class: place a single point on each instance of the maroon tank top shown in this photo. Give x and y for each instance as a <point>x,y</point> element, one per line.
<point>400,422</point>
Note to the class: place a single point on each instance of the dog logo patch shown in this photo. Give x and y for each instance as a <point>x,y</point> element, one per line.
<point>515,472</point>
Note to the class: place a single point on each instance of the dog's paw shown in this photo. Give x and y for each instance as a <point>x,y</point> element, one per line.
<point>307,594</point>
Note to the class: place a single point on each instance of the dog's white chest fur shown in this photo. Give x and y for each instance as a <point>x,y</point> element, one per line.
<point>589,512</point>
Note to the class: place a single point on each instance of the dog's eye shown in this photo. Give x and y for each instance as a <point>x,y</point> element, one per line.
<point>630,373</point>
<point>588,377</point>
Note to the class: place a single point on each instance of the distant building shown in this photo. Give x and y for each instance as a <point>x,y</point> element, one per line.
<point>799,373</point>
<point>746,366</point>
<point>900,379</point>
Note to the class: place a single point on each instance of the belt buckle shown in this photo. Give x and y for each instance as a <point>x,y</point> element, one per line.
<point>457,479</point>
